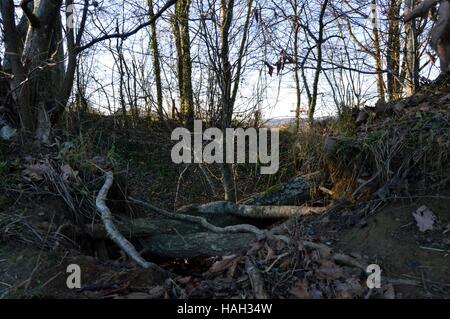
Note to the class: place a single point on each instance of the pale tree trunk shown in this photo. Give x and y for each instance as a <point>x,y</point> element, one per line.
<point>377,51</point>
<point>294,4</point>
<point>412,62</point>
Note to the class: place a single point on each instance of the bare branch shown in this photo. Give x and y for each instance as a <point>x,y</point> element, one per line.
<point>130,33</point>
<point>34,21</point>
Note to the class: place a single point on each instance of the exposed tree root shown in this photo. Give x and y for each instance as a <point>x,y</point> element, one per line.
<point>203,222</point>
<point>111,229</point>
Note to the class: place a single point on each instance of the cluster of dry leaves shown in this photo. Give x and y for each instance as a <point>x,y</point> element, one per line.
<point>273,269</point>
<point>38,171</point>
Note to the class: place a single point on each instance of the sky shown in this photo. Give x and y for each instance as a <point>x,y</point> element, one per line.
<point>277,101</point>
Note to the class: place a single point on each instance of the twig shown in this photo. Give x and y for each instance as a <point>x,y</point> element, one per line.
<point>254,274</point>
<point>430,281</point>
<point>435,249</point>
<point>276,260</point>
<point>178,185</point>
<point>208,179</point>
<point>400,281</point>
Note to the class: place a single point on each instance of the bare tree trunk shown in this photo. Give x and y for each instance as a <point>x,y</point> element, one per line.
<point>227,107</point>
<point>13,56</point>
<point>43,82</point>
<point>377,51</point>
<point>42,49</point>
<point>156,62</point>
<point>315,86</point>
<point>412,62</point>
<point>394,87</point>
<point>182,41</point>
<point>121,83</point>
<point>41,85</point>
<point>296,65</point>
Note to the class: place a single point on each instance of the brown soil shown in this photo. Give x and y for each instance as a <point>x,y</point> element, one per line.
<point>392,240</point>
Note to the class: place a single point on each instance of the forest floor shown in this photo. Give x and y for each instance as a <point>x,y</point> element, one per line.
<point>374,226</point>
<point>417,264</point>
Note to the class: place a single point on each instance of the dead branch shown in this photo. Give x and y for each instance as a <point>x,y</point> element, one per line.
<point>439,39</point>
<point>252,211</point>
<point>130,33</point>
<point>34,21</point>
<point>256,280</point>
<point>421,10</point>
<point>203,222</point>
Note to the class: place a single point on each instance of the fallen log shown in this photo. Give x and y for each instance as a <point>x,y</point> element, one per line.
<point>203,244</point>
<point>292,192</point>
<point>251,211</point>
<point>170,238</point>
<point>178,235</point>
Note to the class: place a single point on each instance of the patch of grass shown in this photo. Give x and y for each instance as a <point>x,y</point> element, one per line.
<point>272,189</point>
<point>6,178</point>
<point>3,167</point>
<point>345,124</point>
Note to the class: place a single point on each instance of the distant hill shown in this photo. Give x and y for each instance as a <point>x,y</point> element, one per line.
<point>286,121</point>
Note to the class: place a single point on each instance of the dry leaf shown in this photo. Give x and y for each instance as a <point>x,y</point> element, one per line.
<point>7,132</point>
<point>232,268</point>
<point>445,99</point>
<point>270,254</point>
<point>329,270</point>
<point>68,173</point>
<point>35,172</point>
<point>285,264</point>
<point>223,264</point>
<point>271,68</point>
<point>156,292</point>
<point>425,218</point>
<point>389,292</point>
<point>315,293</point>
<point>447,229</point>
<point>424,107</point>
<point>351,288</point>
<point>184,280</point>
<point>300,291</point>
<point>135,295</point>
